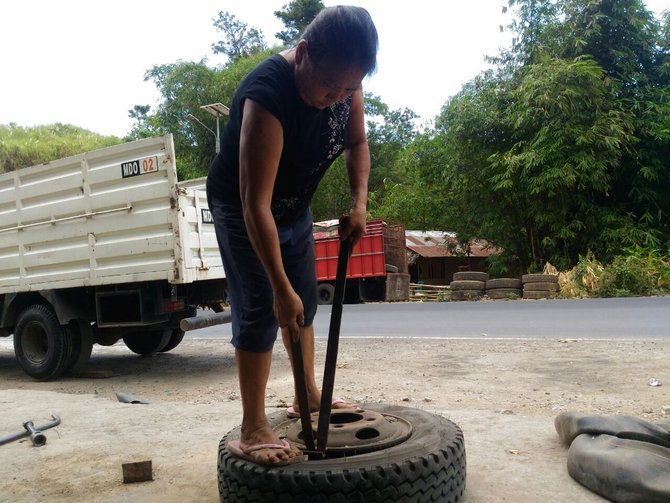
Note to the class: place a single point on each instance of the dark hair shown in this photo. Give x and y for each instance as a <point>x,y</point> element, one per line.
<point>343,35</point>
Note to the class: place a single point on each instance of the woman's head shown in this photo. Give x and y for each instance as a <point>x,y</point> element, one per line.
<point>343,36</point>
<point>337,50</point>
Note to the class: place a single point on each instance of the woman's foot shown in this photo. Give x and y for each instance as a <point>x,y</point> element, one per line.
<point>264,447</point>
<point>294,410</point>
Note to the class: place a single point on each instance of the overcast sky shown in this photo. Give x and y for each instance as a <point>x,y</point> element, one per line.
<point>83,61</point>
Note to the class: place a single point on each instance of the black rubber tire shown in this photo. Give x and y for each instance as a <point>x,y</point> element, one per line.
<point>540,286</point>
<point>538,294</point>
<point>81,344</point>
<point>471,276</point>
<point>428,467</point>
<point>41,346</point>
<point>466,294</point>
<point>504,293</point>
<point>147,343</point>
<point>503,283</point>
<point>325,293</point>
<point>176,337</point>
<point>467,284</point>
<point>536,278</point>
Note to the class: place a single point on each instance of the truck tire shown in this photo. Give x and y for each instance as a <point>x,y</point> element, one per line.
<point>176,337</point>
<point>427,467</point>
<point>81,344</point>
<point>325,293</point>
<point>147,343</point>
<point>503,283</point>
<point>467,284</point>
<point>471,276</point>
<point>41,346</point>
<point>537,277</point>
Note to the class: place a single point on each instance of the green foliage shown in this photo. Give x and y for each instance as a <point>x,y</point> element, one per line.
<point>296,16</point>
<point>21,147</point>
<point>640,272</point>
<point>564,147</point>
<point>239,40</point>
<point>185,86</point>
<point>333,197</point>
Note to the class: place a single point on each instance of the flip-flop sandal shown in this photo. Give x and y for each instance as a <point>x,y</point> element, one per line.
<point>294,414</point>
<point>235,449</point>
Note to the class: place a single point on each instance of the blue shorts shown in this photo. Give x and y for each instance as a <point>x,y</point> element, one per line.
<point>253,321</point>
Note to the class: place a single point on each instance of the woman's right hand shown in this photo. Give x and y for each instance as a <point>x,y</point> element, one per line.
<point>289,311</point>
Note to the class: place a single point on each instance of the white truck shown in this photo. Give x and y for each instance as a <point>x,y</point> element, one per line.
<point>104,246</point>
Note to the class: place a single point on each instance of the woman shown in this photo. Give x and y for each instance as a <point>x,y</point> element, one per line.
<point>290,118</point>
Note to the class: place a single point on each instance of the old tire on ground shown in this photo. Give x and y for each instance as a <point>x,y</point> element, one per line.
<point>325,293</point>
<point>541,286</point>
<point>467,284</point>
<point>504,293</point>
<point>466,294</point>
<point>147,343</point>
<point>427,467</point>
<point>471,276</point>
<point>538,294</point>
<point>41,346</point>
<point>535,278</point>
<point>503,283</point>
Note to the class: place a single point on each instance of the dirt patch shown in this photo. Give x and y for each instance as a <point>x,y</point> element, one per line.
<point>503,393</point>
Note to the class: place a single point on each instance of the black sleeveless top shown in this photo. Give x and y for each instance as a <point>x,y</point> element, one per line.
<point>313,139</point>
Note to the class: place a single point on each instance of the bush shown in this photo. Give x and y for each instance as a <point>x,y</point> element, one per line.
<point>640,272</point>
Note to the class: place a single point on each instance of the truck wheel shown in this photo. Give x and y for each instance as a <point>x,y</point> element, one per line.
<point>429,466</point>
<point>41,346</point>
<point>81,345</point>
<point>325,293</point>
<point>176,336</point>
<point>147,343</point>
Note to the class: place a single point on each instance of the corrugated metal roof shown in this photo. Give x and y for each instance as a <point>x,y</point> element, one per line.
<point>433,244</point>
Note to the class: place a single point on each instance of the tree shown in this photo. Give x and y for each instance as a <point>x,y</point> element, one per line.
<point>184,87</point>
<point>240,40</point>
<point>296,16</point>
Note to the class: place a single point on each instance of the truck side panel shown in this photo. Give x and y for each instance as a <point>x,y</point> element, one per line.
<point>110,216</point>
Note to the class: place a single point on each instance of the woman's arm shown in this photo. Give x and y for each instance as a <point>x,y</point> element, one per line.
<point>261,142</point>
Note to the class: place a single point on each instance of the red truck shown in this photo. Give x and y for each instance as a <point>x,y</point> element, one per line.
<point>377,267</point>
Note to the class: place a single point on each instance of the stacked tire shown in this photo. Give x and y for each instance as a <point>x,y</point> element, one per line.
<point>468,285</point>
<point>504,288</point>
<point>540,286</point>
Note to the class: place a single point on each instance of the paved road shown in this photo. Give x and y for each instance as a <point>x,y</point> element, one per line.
<point>624,318</point>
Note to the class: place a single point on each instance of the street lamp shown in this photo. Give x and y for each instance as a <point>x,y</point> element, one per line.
<point>218,110</point>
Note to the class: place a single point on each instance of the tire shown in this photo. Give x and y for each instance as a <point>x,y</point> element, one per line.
<point>467,284</point>
<point>535,278</point>
<point>147,343</point>
<point>470,276</point>
<point>176,336</point>
<point>504,293</point>
<point>538,294</point>
<point>41,346</point>
<point>466,294</point>
<point>540,286</point>
<point>81,344</point>
<point>391,268</point>
<point>427,467</point>
<point>325,293</point>
<point>503,283</point>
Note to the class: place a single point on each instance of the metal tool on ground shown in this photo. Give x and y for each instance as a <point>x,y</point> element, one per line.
<point>36,436</point>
